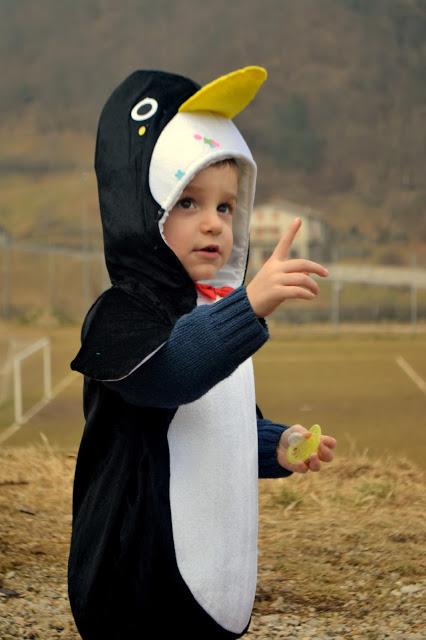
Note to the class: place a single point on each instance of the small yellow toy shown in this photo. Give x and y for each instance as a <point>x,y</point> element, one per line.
<point>300,448</point>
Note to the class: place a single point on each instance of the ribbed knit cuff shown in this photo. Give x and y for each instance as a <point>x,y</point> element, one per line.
<point>237,323</point>
<point>269,437</point>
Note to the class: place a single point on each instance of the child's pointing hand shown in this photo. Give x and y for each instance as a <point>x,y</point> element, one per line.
<point>281,279</point>
<point>313,463</point>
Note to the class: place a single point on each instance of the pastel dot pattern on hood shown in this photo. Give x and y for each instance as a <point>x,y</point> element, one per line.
<point>212,143</point>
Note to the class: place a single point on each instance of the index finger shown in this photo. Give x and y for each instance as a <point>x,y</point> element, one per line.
<point>282,248</point>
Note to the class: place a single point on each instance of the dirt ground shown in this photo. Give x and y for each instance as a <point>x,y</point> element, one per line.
<point>342,553</point>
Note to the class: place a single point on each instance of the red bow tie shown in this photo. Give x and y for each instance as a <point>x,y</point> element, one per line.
<point>211,292</point>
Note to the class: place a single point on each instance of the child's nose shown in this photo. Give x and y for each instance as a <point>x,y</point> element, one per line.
<point>211,220</point>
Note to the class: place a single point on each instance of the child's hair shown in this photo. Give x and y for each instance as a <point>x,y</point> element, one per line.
<point>226,162</point>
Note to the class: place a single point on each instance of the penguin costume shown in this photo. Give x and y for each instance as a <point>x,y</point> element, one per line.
<point>165,499</point>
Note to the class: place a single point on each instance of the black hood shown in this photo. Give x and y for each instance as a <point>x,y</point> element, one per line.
<point>145,128</point>
<point>135,253</point>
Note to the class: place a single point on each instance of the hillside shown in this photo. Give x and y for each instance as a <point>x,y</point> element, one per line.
<point>339,124</point>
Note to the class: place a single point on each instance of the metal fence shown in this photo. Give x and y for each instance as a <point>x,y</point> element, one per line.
<point>38,280</point>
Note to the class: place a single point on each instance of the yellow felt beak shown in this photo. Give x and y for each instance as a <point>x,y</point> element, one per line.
<point>227,95</point>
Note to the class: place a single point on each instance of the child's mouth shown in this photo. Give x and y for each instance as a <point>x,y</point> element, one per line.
<point>209,252</point>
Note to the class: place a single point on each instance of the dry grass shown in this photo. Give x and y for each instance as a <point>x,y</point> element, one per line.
<point>347,543</point>
<point>35,504</point>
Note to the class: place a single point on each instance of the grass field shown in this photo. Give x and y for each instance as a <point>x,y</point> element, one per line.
<point>341,553</point>
<point>350,383</point>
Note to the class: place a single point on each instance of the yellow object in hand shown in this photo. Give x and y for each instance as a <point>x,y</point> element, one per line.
<point>301,448</point>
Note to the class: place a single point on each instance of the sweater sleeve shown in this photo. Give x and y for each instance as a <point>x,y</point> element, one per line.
<point>204,347</point>
<point>268,436</point>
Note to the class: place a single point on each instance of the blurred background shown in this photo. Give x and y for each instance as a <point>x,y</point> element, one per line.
<point>338,134</point>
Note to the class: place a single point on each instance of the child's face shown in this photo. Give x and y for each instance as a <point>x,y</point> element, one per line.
<point>202,217</point>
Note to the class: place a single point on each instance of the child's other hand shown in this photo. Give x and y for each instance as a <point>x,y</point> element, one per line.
<point>313,463</point>
<point>281,279</point>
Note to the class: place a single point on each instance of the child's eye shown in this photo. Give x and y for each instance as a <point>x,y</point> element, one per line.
<point>225,207</point>
<point>185,203</point>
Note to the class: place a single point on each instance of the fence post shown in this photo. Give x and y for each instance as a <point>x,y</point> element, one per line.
<point>414,296</point>
<point>85,276</point>
<point>335,303</point>
<point>414,307</point>
<point>85,271</point>
<point>50,280</point>
<point>5,279</point>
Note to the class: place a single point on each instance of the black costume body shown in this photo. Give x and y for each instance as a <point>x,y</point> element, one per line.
<point>124,580</point>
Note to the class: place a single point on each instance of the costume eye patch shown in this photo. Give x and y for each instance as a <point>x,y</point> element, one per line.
<point>144,109</point>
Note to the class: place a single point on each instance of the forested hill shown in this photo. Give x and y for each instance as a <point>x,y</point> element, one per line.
<point>339,124</point>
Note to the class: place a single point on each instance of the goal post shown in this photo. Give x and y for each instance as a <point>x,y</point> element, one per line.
<point>44,344</point>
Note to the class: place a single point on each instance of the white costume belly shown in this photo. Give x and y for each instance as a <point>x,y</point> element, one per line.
<point>214,497</point>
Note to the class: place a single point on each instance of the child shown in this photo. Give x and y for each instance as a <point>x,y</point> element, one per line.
<point>165,502</point>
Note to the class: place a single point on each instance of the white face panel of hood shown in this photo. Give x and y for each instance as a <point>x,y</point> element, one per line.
<point>190,142</point>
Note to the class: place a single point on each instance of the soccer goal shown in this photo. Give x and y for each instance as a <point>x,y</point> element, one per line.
<point>44,345</point>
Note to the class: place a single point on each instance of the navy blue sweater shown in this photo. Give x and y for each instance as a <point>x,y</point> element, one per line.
<point>183,369</point>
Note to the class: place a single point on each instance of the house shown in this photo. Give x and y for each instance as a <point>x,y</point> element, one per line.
<point>270,221</point>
